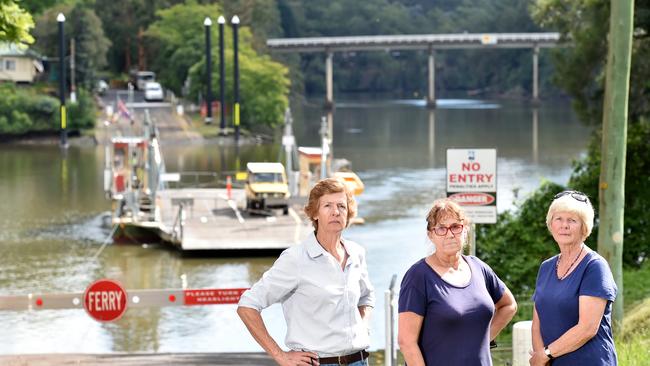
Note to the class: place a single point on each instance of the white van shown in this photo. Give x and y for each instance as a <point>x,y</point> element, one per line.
<point>142,78</point>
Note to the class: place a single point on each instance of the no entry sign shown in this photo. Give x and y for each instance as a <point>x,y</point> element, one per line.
<point>105,300</point>
<point>472,182</point>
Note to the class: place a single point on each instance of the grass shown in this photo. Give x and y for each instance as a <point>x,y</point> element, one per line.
<point>206,130</point>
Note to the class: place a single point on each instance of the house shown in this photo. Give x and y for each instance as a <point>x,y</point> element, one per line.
<point>18,63</point>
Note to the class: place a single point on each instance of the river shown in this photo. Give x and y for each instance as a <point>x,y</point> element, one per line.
<point>53,204</point>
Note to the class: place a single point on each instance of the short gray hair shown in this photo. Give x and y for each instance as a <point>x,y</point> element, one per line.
<point>568,203</point>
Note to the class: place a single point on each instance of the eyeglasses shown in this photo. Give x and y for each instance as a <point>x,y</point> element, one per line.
<point>442,230</point>
<point>578,196</point>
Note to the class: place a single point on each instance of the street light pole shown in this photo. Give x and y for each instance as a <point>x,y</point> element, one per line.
<point>235,38</point>
<point>208,66</point>
<point>222,76</point>
<point>64,135</point>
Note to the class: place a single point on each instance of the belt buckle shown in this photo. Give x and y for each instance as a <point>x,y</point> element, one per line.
<point>339,360</point>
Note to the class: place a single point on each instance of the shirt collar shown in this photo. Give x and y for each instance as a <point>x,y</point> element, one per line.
<point>314,249</point>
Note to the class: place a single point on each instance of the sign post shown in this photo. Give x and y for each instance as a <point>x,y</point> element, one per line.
<point>472,182</point>
<point>105,300</point>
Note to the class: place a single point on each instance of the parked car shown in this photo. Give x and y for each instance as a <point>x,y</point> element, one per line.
<point>153,91</point>
<point>141,78</point>
<point>102,87</point>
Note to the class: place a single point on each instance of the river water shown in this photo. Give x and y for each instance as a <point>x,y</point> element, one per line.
<point>52,208</point>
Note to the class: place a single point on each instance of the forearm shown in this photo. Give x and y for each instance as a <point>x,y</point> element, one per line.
<point>412,354</point>
<point>502,317</point>
<point>538,343</point>
<point>253,321</point>
<point>571,340</point>
<point>365,312</point>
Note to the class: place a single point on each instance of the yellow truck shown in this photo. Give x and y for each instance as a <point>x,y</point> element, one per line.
<point>266,188</point>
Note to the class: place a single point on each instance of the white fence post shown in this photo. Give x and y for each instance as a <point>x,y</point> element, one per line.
<point>390,351</point>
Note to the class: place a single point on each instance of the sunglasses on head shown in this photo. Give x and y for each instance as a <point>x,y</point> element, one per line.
<point>576,195</point>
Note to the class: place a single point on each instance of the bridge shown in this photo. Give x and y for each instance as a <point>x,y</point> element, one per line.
<point>430,42</point>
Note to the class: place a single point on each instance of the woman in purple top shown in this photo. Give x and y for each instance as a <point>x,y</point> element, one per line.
<point>451,305</point>
<point>572,317</point>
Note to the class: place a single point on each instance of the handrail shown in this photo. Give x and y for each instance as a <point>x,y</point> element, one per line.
<point>194,179</point>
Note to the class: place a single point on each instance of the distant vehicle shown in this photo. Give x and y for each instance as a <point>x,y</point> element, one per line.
<point>266,187</point>
<point>153,91</point>
<point>141,78</point>
<point>102,87</point>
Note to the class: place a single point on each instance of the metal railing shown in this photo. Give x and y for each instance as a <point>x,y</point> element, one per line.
<point>202,179</point>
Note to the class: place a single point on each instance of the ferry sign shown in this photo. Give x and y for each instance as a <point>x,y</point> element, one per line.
<point>472,182</point>
<point>105,300</point>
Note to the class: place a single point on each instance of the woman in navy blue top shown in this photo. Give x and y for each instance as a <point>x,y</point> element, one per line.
<point>451,305</point>
<point>572,318</point>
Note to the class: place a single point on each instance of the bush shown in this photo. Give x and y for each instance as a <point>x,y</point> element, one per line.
<point>22,110</point>
<point>586,176</point>
<point>520,241</point>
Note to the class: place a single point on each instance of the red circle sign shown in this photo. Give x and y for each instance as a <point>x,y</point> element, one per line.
<point>105,300</point>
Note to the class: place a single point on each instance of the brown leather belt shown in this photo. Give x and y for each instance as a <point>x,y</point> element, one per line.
<point>344,360</point>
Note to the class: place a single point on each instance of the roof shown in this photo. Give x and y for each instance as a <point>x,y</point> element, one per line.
<point>265,167</point>
<point>18,50</point>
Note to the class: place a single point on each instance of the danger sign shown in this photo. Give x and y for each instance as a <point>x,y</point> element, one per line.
<point>472,182</point>
<point>105,300</point>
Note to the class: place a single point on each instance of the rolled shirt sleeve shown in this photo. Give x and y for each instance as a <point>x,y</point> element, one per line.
<point>275,285</point>
<point>367,297</point>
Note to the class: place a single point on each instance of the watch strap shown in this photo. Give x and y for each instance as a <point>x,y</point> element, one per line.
<point>548,354</point>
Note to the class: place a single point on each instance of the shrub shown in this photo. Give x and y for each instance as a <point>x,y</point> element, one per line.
<point>22,110</point>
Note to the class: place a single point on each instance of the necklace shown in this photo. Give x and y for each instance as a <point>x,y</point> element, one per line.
<point>557,264</point>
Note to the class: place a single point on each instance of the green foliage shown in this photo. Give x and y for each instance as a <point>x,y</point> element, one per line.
<point>637,197</point>
<point>633,342</point>
<point>82,115</point>
<point>82,24</point>
<point>519,242</point>
<point>15,23</point>
<point>580,69</point>
<point>180,39</point>
<point>23,111</point>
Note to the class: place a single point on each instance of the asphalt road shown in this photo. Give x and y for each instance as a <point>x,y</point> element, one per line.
<point>173,128</point>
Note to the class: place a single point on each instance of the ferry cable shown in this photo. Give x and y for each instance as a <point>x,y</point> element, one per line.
<point>106,241</point>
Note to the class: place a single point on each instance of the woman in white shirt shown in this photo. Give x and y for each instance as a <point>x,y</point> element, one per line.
<point>323,287</point>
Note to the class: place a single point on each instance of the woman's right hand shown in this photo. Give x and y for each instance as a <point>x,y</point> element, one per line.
<point>538,358</point>
<point>297,358</point>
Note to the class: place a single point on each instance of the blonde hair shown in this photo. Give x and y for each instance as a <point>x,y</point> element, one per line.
<point>567,203</point>
<point>329,186</point>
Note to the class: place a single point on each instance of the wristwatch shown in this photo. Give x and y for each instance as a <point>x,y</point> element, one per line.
<point>548,354</point>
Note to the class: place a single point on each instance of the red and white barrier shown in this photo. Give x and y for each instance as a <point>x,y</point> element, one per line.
<point>106,300</point>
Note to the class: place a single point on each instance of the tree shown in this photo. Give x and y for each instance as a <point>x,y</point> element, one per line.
<point>178,38</point>
<point>82,24</point>
<point>15,23</point>
<point>580,68</point>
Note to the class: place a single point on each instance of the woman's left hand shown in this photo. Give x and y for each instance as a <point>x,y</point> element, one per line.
<point>538,358</point>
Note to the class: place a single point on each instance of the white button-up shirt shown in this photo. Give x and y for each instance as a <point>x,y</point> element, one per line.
<point>319,300</point>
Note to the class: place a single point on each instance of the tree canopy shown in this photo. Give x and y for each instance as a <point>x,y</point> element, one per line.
<point>580,68</point>
<point>82,24</point>
<point>178,37</point>
<point>15,23</point>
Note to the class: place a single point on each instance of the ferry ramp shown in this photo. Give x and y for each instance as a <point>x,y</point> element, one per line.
<point>207,219</point>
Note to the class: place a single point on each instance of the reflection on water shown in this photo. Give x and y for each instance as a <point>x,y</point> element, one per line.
<point>53,205</point>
